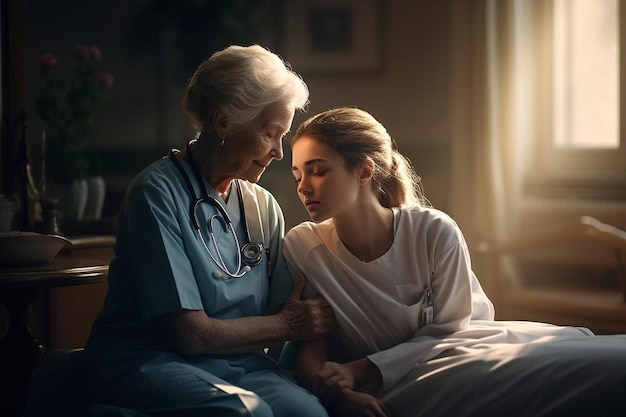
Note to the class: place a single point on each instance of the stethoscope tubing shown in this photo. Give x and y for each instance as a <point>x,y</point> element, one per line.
<point>224,220</point>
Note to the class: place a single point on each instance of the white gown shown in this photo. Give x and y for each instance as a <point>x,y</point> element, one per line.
<point>379,304</point>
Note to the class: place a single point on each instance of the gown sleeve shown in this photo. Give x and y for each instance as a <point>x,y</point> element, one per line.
<point>459,298</point>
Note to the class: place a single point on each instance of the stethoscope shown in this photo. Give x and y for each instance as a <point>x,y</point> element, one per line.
<point>250,253</point>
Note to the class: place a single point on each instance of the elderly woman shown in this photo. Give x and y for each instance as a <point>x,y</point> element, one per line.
<point>198,287</point>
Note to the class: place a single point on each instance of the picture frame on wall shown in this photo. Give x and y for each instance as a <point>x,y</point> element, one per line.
<point>333,36</point>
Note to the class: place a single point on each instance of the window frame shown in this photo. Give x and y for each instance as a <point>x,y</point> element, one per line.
<point>566,172</point>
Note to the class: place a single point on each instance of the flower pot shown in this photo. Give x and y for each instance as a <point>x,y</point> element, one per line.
<point>73,199</point>
<point>96,190</point>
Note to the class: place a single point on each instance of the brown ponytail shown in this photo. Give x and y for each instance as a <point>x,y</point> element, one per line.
<point>358,136</point>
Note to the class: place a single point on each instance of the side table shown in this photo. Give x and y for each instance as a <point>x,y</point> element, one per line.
<point>19,349</point>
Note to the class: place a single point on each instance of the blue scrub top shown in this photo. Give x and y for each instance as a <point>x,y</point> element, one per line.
<point>161,265</point>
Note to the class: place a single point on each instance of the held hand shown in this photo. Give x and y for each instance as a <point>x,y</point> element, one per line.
<point>306,319</point>
<point>334,377</point>
<point>353,403</point>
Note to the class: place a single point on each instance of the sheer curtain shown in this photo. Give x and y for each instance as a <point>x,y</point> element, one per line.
<point>489,120</point>
<point>489,117</point>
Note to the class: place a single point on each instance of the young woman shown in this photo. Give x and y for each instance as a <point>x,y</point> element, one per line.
<point>415,333</point>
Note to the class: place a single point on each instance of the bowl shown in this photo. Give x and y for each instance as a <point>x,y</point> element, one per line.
<point>26,248</point>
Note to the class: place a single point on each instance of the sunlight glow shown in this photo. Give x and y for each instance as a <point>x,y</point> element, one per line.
<point>586,74</point>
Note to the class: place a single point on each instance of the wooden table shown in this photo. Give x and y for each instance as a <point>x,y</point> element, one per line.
<point>20,351</point>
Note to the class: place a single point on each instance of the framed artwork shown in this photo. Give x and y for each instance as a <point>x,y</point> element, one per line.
<point>330,36</point>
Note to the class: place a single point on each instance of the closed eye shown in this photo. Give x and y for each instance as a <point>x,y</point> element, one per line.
<point>273,135</point>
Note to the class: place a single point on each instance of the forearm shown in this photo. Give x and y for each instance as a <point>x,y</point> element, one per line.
<point>195,333</point>
<point>310,357</point>
<point>365,372</point>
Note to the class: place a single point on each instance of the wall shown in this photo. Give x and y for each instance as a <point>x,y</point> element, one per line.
<point>410,93</point>
<point>410,96</point>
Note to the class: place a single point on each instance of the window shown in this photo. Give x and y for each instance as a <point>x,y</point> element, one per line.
<point>586,74</point>
<point>572,49</point>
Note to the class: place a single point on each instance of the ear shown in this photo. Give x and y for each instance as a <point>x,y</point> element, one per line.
<point>366,172</point>
<point>220,123</point>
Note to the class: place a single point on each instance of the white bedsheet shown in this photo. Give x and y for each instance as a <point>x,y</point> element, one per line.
<point>552,375</point>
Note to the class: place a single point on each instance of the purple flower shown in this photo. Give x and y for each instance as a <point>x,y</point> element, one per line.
<point>95,53</point>
<point>81,52</point>
<point>47,61</point>
<point>105,79</point>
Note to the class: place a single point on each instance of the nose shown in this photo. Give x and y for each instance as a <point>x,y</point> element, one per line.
<point>303,187</point>
<point>277,150</point>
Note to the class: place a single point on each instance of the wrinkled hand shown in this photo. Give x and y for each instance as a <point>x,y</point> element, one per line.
<point>358,404</point>
<point>306,319</point>
<point>333,378</point>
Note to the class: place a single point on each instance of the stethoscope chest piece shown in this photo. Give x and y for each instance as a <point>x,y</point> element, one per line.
<point>250,254</point>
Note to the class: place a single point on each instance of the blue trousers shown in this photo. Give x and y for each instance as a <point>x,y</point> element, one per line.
<point>182,389</point>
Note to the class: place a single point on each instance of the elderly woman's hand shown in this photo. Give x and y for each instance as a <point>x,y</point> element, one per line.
<point>306,319</point>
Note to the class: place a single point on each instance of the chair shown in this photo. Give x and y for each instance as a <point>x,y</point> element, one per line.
<point>570,275</point>
<point>55,389</point>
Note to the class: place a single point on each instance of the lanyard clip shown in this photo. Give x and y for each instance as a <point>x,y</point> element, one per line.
<point>428,307</point>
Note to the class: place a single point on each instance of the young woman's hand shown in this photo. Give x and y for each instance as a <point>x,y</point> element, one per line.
<point>333,378</point>
<point>358,404</point>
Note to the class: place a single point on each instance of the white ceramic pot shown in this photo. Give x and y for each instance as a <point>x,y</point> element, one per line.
<point>96,190</point>
<point>74,198</point>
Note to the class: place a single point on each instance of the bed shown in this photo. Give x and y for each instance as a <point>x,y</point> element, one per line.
<point>564,373</point>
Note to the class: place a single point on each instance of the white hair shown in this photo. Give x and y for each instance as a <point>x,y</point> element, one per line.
<point>241,82</point>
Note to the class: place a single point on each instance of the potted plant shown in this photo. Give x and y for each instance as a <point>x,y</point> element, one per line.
<point>69,109</point>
